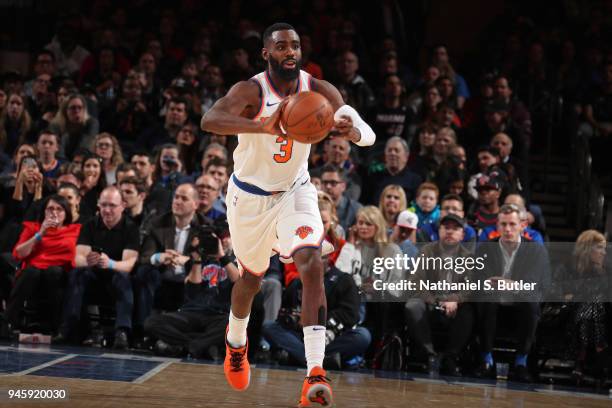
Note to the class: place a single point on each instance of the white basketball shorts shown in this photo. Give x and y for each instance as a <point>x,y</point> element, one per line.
<point>262,224</point>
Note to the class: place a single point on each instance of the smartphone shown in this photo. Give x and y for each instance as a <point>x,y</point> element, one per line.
<point>96,249</point>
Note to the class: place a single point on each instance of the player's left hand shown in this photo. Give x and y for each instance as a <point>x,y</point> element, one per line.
<point>344,128</point>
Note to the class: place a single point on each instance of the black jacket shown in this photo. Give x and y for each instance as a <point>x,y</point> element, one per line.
<point>531,264</point>
<point>342,297</point>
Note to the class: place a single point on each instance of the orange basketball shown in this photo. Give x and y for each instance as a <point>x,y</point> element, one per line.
<point>307,117</point>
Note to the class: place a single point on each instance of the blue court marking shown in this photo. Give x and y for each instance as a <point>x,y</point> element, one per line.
<point>12,361</point>
<point>99,368</point>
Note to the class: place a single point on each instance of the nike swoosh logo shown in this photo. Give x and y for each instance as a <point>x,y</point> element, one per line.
<point>272,104</point>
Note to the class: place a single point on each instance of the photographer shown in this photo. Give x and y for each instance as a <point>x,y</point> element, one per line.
<point>199,325</point>
<point>161,273</point>
<point>168,168</point>
<point>344,338</point>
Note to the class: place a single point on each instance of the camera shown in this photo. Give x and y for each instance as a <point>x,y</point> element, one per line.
<point>169,161</point>
<point>207,244</point>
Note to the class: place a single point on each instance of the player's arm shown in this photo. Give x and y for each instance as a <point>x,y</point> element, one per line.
<point>348,123</point>
<point>226,115</point>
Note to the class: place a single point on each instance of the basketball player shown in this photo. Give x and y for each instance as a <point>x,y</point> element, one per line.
<point>271,204</point>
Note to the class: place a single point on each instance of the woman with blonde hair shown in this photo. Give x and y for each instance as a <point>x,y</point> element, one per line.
<point>107,147</point>
<point>74,125</point>
<point>16,124</point>
<point>589,284</point>
<point>392,202</point>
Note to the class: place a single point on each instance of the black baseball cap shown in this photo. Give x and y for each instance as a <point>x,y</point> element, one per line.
<point>453,218</point>
<point>487,182</point>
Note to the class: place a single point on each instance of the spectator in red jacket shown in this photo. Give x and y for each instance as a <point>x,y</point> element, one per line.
<point>46,249</point>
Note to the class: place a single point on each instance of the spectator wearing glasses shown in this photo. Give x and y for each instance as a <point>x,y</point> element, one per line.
<point>107,147</point>
<point>74,125</point>
<point>106,252</point>
<point>46,250</point>
<point>511,258</point>
<point>208,191</point>
<point>450,204</point>
<point>334,184</point>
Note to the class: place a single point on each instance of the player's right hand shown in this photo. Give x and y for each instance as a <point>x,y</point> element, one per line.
<point>272,124</point>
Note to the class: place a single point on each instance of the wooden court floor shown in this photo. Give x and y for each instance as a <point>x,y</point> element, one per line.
<point>180,384</point>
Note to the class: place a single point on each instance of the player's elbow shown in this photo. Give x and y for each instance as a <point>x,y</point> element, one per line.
<point>205,122</point>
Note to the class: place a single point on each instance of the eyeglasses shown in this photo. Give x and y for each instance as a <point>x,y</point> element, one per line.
<point>332,183</point>
<point>51,209</point>
<point>205,187</point>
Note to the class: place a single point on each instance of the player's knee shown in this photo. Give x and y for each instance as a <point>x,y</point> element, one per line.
<point>309,264</point>
<point>252,283</point>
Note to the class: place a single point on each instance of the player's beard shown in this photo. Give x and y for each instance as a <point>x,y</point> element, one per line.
<point>284,73</point>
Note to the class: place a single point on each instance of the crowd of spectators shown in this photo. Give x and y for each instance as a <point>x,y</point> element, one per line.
<point>109,188</point>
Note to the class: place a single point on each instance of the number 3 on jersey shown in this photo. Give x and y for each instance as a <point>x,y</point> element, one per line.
<point>286,148</point>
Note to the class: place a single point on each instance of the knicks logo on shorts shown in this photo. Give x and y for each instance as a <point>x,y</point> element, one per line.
<point>304,231</point>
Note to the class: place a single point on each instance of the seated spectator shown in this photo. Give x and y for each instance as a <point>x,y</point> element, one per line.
<point>219,169</point>
<point>71,173</point>
<point>517,111</point>
<point>395,171</point>
<point>512,258</point>
<point>175,118</point>
<point>369,235</point>
<point>425,205</point>
<point>46,251</point>
<point>125,170</point>
<point>107,147</point>
<point>75,127</point>
<point>48,147</point>
<point>213,86</point>
<point>392,117</point>
<point>162,258</point>
<point>134,192</point>
<point>450,204</point>
<point>106,252</point>
<point>169,170</point>
<point>484,211</point>
<point>488,160</point>
<point>16,124</point>
<point>440,58</point>
<point>9,173</point>
<point>446,308</point>
<point>344,338</point>
<point>93,184</point>
<point>71,193</point>
<point>198,327</point>
<point>158,199</point>
<point>187,142</point>
<point>535,218</point>
<point>360,95</point>
<point>333,183</point>
<point>587,326</point>
<point>490,233</point>
<point>448,92</point>
<point>392,202</point>
<point>422,162</point>
<point>405,232</point>
<point>517,171</point>
<point>429,107</point>
<point>213,150</point>
<point>208,192</point>
<point>337,153</point>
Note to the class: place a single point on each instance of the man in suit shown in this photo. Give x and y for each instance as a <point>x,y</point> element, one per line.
<point>163,254</point>
<point>518,272</point>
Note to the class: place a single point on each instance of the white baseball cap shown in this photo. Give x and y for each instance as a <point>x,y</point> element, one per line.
<point>407,219</point>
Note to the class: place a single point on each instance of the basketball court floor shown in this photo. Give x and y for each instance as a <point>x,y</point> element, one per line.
<point>96,378</point>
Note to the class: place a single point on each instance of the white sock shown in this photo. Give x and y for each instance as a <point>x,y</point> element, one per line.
<point>237,331</point>
<point>314,346</point>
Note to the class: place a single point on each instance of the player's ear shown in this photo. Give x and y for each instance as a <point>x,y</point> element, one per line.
<point>264,54</point>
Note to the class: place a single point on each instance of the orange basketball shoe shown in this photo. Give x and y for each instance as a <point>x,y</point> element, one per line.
<point>316,391</point>
<point>236,366</point>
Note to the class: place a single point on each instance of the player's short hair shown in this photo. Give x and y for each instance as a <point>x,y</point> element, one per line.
<point>267,34</point>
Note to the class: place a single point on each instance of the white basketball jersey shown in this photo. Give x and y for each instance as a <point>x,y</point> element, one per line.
<point>270,162</point>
